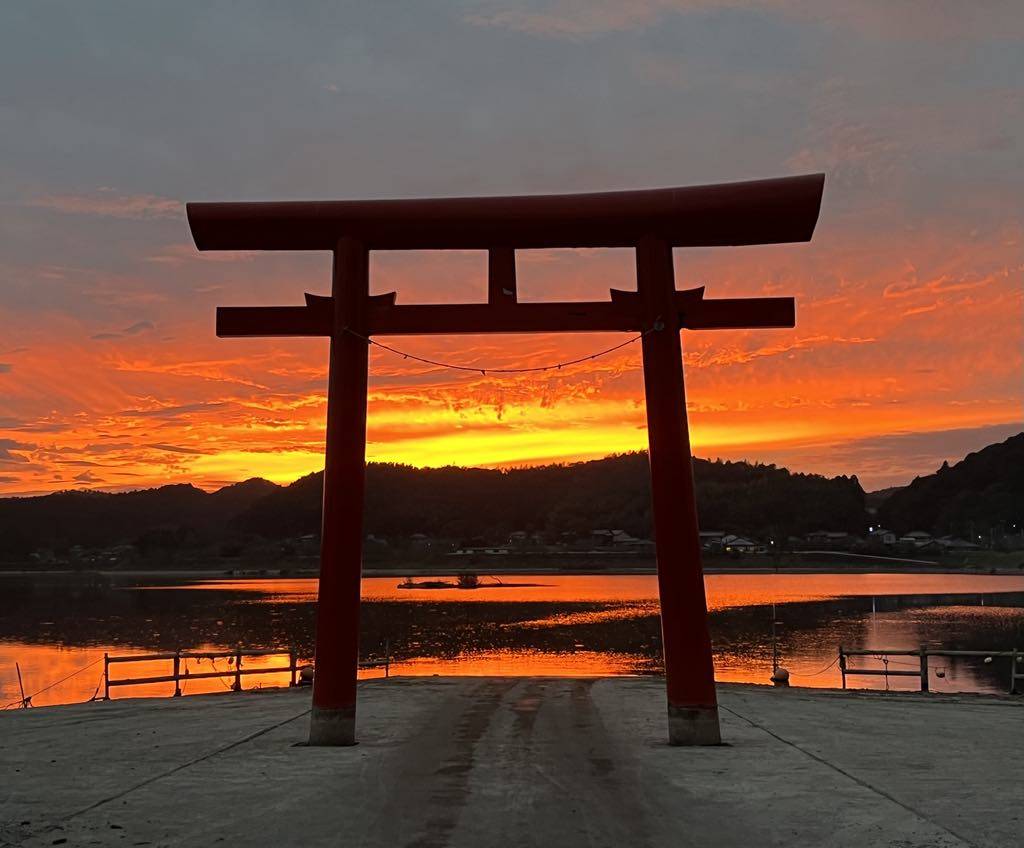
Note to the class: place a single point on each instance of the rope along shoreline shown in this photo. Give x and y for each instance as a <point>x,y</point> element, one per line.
<point>556,366</point>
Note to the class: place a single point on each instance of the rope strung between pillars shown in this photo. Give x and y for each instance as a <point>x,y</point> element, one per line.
<point>556,366</point>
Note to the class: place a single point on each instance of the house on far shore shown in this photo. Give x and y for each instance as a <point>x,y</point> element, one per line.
<point>618,539</point>
<point>715,541</point>
<point>711,540</point>
<point>948,544</point>
<point>882,536</point>
<point>915,538</point>
<point>624,541</point>
<point>738,544</point>
<point>523,539</point>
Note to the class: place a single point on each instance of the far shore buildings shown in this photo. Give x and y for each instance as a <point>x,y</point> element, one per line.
<point>618,539</point>
<point>611,542</point>
<point>920,540</point>
<point>599,544</point>
<point>915,538</point>
<point>713,541</point>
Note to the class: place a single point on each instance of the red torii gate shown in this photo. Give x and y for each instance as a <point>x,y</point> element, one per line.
<point>652,222</point>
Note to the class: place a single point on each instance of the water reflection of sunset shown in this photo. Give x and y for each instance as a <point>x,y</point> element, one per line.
<point>42,665</point>
<point>614,613</point>
<point>569,625</point>
<point>520,663</point>
<point>723,590</point>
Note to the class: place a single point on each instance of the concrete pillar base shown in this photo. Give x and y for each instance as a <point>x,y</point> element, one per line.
<point>693,726</point>
<point>332,727</point>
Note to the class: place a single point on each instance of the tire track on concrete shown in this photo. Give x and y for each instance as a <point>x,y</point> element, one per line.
<point>563,773</point>
<point>443,761</point>
<point>621,810</point>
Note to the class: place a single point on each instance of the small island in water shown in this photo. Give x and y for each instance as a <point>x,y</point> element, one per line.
<point>466,580</point>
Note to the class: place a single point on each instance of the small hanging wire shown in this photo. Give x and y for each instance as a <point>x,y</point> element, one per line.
<point>555,366</point>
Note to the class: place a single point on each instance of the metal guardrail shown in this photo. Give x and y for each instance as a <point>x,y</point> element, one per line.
<point>923,653</point>
<point>177,676</point>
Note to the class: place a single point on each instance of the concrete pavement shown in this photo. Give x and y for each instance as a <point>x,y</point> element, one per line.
<point>517,762</point>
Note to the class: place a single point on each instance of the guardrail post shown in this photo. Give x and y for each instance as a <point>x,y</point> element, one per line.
<point>924,668</point>
<point>177,674</point>
<point>106,677</point>
<point>1014,674</point>
<point>293,663</point>
<point>842,665</point>
<point>238,671</point>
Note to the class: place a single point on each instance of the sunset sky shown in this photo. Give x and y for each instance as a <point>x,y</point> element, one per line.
<point>908,345</point>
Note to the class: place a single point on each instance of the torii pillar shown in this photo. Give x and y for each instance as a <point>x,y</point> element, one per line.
<point>341,537</point>
<point>651,222</point>
<point>686,643</point>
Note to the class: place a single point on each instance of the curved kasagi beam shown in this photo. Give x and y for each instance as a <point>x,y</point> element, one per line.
<point>759,212</point>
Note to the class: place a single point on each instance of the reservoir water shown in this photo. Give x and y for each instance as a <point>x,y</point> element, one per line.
<point>57,626</point>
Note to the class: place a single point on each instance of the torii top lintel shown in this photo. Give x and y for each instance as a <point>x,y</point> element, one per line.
<point>760,212</point>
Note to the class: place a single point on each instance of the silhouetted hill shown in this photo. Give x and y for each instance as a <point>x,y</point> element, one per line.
<point>455,503</point>
<point>95,519</point>
<point>238,496</point>
<point>610,493</point>
<point>984,490</point>
<point>879,496</point>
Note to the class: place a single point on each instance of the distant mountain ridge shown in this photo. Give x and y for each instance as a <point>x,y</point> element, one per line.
<point>96,519</point>
<point>879,496</point>
<point>609,493</point>
<point>984,490</point>
<point>454,503</point>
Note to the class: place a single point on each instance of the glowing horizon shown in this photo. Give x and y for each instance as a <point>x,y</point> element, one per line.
<point>910,300</point>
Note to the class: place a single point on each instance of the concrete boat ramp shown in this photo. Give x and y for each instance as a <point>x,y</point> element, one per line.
<point>517,762</point>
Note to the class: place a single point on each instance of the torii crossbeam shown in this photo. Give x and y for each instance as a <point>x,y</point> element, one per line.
<point>652,222</point>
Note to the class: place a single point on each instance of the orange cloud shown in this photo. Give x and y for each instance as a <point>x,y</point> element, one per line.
<point>882,347</point>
